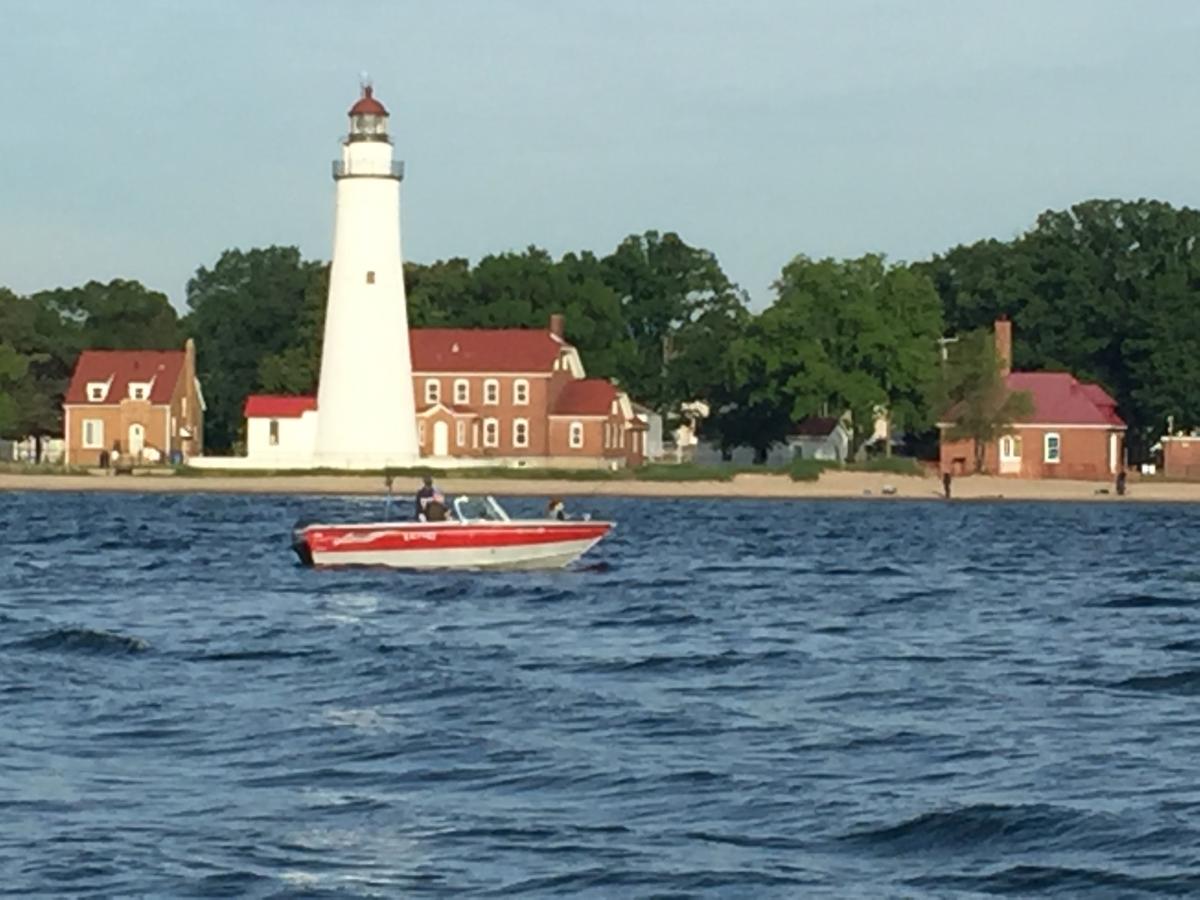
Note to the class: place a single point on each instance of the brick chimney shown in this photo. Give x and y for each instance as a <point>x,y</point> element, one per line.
<point>1003,331</point>
<point>557,324</point>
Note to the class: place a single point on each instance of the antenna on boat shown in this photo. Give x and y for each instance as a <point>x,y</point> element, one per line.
<point>387,505</point>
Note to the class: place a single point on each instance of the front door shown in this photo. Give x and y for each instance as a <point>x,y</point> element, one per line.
<point>1114,449</point>
<point>441,439</point>
<point>1010,455</point>
<point>137,440</point>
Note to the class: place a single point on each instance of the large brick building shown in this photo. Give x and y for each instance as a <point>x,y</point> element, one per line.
<point>145,405</point>
<point>506,395</point>
<point>1073,432</point>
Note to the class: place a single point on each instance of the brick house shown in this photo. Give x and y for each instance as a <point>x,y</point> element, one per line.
<point>504,394</point>
<point>1073,432</point>
<point>1181,456</point>
<point>144,404</point>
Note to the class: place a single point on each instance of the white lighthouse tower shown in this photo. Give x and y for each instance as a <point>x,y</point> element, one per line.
<point>365,409</point>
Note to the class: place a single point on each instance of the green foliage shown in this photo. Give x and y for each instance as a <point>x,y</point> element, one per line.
<point>120,315</point>
<point>981,407</point>
<point>853,335</point>
<point>808,469</point>
<point>894,465</point>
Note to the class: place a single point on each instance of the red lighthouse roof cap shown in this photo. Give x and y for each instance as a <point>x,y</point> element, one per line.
<point>367,105</point>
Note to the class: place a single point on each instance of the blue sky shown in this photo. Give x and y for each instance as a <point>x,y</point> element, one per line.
<point>140,139</point>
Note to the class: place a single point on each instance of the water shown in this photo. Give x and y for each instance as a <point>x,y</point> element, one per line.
<point>734,699</point>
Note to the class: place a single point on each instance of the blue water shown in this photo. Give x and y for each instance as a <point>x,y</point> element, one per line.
<point>733,699</point>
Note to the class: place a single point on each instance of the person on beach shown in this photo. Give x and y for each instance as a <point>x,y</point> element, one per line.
<point>946,484</point>
<point>1121,483</point>
<point>555,510</point>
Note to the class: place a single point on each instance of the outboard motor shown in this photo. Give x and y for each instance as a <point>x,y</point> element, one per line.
<point>300,543</point>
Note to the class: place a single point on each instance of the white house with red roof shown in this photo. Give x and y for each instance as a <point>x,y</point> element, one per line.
<point>142,405</point>
<point>1074,430</point>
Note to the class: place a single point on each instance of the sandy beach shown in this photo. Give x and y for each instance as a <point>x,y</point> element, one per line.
<point>843,485</point>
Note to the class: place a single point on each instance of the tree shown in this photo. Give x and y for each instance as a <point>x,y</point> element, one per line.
<point>120,315</point>
<point>663,284</point>
<point>981,407</point>
<point>251,305</point>
<point>45,349</point>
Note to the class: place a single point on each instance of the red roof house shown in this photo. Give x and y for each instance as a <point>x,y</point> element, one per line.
<point>144,405</point>
<point>1074,430</point>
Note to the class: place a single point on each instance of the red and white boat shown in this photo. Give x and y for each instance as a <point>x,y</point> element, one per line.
<point>479,536</point>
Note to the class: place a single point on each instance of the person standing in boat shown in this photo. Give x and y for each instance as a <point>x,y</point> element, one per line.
<point>427,496</point>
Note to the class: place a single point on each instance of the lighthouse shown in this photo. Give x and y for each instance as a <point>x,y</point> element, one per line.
<point>365,399</point>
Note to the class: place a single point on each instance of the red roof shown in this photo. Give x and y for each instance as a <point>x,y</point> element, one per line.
<point>483,350</point>
<point>367,105</point>
<point>586,397</point>
<point>275,406</point>
<point>162,367</point>
<point>1061,399</point>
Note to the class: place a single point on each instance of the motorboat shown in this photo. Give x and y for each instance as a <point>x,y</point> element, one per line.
<point>478,535</point>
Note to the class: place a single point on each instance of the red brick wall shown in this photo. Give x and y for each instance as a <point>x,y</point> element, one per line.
<point>1181,457</point>
<point>1084,454</point>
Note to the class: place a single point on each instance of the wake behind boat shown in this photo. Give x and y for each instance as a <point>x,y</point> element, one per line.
<point>479,536</point>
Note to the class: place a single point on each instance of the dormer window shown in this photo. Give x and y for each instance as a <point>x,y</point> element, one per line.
<point>97,391</point>
<point>139,391</point>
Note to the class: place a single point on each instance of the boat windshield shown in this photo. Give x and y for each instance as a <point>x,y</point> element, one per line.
<point>475,509</point>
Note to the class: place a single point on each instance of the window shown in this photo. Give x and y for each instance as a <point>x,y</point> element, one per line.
<point>620,436</point>
<point>421,433</point>
<point>607,435</point>
<point>183,409</point>
<point>1053,447</point>
<point>370,277</point>
<point>138,391</point>
<point>93,433</point>
<point>273,433</point>
<point>460,433</point>
<point>491,433</point>
<point>521,392</point>
<point>462,391</point>
<point>433,390</point>
<point>575,435</point>
<point>491,392</point>
<point>96,391</point>
<point>520,432</point>
<point>475,435</point>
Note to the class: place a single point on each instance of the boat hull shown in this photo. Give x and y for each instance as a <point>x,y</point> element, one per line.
<point>484,545</point>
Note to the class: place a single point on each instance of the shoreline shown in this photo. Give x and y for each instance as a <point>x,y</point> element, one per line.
<point>831,486</point>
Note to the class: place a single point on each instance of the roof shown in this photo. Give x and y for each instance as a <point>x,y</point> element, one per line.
<point>163,367</point>
<point>276,406</point>
<point>367,105</point>
<point>586,397</point>
<point>484,350</point>
<point>1061,399</point>
<point>815,426</point>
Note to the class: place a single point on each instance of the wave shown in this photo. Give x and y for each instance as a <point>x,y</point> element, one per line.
<point>1145,601</point>
<point>1070,882</point>
<point>1185,683</point>
<point>1003,827</point>
<point>85,640</point>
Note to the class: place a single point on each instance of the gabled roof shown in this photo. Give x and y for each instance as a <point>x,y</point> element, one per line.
<point>162,367</point>
<point>1061,399</point>
<point>586,397</point>
<point>815,426</point>
<point>484,350</point>
<point>275,406</point>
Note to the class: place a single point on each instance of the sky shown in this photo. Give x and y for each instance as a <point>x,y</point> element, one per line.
<point>141,139</point>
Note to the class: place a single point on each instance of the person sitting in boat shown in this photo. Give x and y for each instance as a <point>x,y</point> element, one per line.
<point>427,496</point>
<point>555,509</point>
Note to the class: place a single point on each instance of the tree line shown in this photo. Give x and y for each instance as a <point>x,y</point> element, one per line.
<point>1107,289</point>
